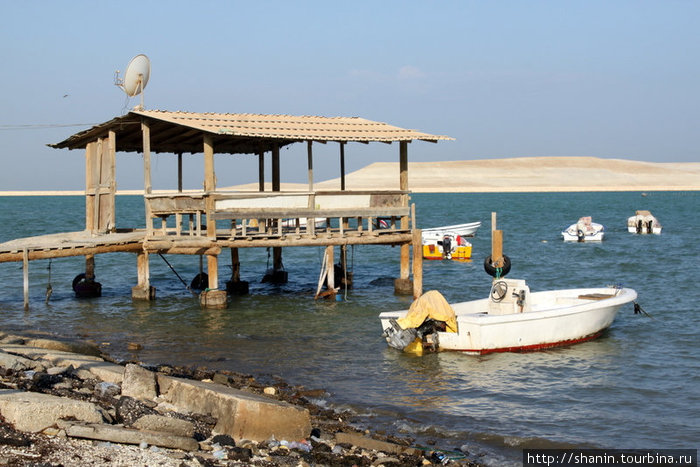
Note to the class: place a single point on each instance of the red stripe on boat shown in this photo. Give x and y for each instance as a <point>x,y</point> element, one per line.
<point>535,347</point>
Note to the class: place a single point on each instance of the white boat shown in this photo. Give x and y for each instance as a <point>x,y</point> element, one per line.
<point>643,222</point>
<point>463,230</point>
<point>511,319</point>
<point>585,230</point>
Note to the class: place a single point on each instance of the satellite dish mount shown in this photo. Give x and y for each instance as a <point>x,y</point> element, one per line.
<point>136,76</point>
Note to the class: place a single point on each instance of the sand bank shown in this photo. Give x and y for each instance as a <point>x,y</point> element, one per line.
<point>522,174</point>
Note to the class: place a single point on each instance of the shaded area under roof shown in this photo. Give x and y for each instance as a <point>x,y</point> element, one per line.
<point>182,132</point>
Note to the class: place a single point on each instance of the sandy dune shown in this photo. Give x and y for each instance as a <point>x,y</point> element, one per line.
<point>523,174</point>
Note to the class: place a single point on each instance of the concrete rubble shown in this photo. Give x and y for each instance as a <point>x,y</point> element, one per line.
<point>64,401</point>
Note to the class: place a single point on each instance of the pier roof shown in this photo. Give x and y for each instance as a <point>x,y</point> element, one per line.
<point>244,133</point>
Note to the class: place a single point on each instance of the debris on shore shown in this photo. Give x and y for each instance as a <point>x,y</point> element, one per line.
<point>65,403</point>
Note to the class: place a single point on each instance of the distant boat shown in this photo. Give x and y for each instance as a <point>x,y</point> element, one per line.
<point>448,242</point>
<point>643,222</point>
<point>512,319</point>
<point>585,230</point>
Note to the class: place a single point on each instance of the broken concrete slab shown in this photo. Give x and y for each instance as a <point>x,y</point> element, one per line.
<point>139,383</point>
<point>19,363</point>
<point>34,411</point>
<point>122,435</point>
<point>101,369</point>
<point>161,423</point>
<point>374,444</point>
<point>240,414</point>
<point>72,346</point>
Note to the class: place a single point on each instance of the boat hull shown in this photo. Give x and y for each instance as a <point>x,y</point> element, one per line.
<point>550,319</point>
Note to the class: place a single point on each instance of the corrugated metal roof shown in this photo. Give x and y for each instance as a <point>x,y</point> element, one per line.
<point>238,133</point>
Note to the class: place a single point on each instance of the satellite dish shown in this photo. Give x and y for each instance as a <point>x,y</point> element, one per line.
<point>136,76</point>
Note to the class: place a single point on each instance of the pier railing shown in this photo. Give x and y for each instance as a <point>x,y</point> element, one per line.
<point>235,215</point>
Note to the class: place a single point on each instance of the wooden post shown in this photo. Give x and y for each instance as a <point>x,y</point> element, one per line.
<point>275,168</point>
<point>147,188</point>
<point>261,170</point>
<point>235,265</point>
<point>342,165</point>
<point>25,274</point>
<point>276,251</point>
<point>417,264</point>
<point>143,289</point>
<point>213,271</point>
<point>113,180</point>
<point>310,163</point>
<point>90,267</point>
<point>403,165</point>
<point>330,279</point>
<point>179,172</point>
<point>496,243</point>
<point>403,186</point>
<point>209,185</point>
<point>89,187</point>
<point>402,284</point>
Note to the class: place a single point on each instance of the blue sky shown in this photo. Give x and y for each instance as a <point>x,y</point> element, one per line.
<point>611,79</point>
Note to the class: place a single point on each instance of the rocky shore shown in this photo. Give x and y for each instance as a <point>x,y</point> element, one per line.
<point>65,403</point>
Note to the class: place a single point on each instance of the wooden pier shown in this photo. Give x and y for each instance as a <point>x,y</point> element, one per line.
<point>206,222</point>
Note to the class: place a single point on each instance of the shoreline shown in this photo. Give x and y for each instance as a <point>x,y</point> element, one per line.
<point>44,371</point>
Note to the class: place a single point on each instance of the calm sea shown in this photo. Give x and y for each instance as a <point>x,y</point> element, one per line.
<point>638,386</point>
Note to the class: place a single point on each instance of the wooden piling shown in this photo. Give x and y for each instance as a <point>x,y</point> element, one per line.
<point>25,273</point>
<point>143,289</point>
<point>417,264</point>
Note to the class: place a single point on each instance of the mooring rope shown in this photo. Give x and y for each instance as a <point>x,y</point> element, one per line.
<point>178,275</point>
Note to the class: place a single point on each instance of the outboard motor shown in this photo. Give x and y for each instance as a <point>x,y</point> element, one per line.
<point>397,337</point>
<point>447,247</point>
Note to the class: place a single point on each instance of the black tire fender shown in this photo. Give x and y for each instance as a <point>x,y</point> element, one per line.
<point>200,281</point>
<point>491,270</point>
<point>77,279</point>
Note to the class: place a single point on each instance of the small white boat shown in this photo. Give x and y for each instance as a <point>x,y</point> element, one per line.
<point>643,222</point>
<point>585,230</point>
<point>463,230</point>
<point>511,319</point>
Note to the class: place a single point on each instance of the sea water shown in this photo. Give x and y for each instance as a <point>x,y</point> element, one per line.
<point>638,386</point>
